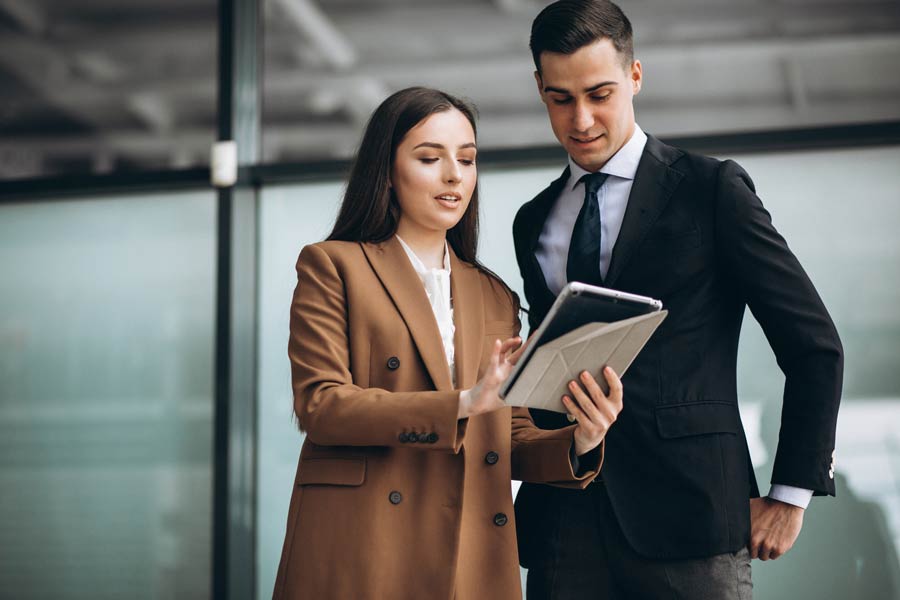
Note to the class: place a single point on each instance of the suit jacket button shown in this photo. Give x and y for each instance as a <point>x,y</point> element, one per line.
<point>403,437</point>
<point>491,458</point>
<point>500,519</point>
<point>395,497</point>
<point>433,437</point>
<point>393,363</point>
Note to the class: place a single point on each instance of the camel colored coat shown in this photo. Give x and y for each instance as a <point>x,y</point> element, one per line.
<point>394,497</point>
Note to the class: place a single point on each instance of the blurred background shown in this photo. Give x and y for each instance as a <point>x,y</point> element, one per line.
<point>147,447</point>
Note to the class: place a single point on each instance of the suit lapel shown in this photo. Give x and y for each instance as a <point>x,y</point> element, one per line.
<point>653,185</point>
<point>392,266</point>
<point>540,209</point>
<point>468,317</point>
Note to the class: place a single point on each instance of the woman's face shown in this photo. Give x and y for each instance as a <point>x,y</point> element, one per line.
<point>434,173</point>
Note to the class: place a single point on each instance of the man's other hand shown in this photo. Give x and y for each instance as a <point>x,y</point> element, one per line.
<point>774,527</point>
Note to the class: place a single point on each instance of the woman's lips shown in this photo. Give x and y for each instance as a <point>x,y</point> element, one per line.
<point>448,200</point>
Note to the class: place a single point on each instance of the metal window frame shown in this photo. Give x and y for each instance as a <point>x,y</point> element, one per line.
<point>235,417</point>
<point>256,173</point>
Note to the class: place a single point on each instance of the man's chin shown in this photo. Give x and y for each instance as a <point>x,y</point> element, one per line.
<point>590,161</point>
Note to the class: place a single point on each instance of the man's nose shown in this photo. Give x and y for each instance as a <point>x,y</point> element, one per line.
<point>582,120</point>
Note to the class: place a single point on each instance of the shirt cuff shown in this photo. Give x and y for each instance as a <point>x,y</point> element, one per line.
<point>790,495</point>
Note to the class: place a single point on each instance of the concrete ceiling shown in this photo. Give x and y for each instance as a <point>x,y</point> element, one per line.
<point>99,85</point>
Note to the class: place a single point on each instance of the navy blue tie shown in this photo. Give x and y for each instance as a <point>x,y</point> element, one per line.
<point>584,250</point>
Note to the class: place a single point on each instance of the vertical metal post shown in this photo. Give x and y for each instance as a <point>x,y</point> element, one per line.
<point>234,487</point>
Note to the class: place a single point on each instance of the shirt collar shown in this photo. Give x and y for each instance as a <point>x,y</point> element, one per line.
<point>623,163</point>
<point>417,263</point>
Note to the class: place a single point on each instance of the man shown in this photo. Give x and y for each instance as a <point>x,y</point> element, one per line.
<point>677,513</point>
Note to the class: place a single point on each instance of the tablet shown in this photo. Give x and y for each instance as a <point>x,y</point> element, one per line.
<point>576,305</point>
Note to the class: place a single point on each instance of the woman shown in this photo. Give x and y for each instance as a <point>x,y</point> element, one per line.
<point>403,486</point>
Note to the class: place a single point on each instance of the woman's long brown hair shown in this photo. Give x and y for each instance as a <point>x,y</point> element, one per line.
<point>369,210</point>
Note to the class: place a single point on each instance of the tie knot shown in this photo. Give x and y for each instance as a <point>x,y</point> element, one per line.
<point>593,182</point>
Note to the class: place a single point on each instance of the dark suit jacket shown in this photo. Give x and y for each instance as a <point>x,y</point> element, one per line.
<point>677,467</point>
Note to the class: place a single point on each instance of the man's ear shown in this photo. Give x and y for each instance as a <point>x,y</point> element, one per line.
<point>637,77</point>
<point>540,85</point>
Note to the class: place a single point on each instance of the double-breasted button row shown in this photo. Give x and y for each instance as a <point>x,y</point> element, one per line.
<point>418,438</point>
<point>393,363</point>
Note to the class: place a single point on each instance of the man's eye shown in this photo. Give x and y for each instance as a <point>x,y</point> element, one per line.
<point>561,101</point>
<point>602,98</point>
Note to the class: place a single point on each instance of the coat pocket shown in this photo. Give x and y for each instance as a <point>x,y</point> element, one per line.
<point>697,418</point>
<point>332,471</point>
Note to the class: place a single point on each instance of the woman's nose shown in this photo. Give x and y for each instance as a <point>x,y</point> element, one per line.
<point>453,173</point>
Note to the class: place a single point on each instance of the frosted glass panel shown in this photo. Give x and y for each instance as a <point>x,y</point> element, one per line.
<point>839,211</point>
<point>291,217</point>
<point>106,346</point>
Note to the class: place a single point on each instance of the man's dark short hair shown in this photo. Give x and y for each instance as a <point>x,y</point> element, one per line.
<point>568,25</point>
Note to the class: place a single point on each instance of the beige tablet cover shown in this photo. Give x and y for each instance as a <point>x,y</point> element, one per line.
<point>589,348</point>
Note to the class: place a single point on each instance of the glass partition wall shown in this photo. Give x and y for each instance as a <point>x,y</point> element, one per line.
<point>843,230</point>
<point>106,347</point>
<point>106,401</point>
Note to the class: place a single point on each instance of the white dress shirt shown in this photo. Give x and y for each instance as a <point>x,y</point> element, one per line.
<point>437,288</point>
<point>553,244</point>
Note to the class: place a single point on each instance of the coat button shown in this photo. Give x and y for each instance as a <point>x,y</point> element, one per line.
<point>491,458</point>
<point>500,519</point>
<point>393,363</point>
<point>433,437</point>
<point>403,437</point>
<point>396,498</point>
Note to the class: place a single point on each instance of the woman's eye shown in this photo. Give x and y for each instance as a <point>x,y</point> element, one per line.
<point>466,161</point>
<point>428,160</point>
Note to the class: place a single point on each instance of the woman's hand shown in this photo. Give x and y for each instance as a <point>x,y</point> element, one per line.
<point>483,396</point>
<point>594,410</point>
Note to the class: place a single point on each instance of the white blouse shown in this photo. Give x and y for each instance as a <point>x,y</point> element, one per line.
<point>437,288</point>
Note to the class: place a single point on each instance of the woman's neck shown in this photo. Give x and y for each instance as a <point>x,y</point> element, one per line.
<point>428,245</point>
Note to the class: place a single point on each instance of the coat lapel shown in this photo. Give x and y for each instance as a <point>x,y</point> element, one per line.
<point>392,266</point>
<point>468,318</point>
<point>654,183</point>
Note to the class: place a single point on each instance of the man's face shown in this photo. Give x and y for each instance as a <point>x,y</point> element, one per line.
<point>589,100</point>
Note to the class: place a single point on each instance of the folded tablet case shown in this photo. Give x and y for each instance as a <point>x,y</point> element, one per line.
<point>590,347</point>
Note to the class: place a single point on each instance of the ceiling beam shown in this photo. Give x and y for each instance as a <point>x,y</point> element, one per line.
<point>54,74</point>
<point>28,15</point>
<point>289,83</point>
<point>334,49</point>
